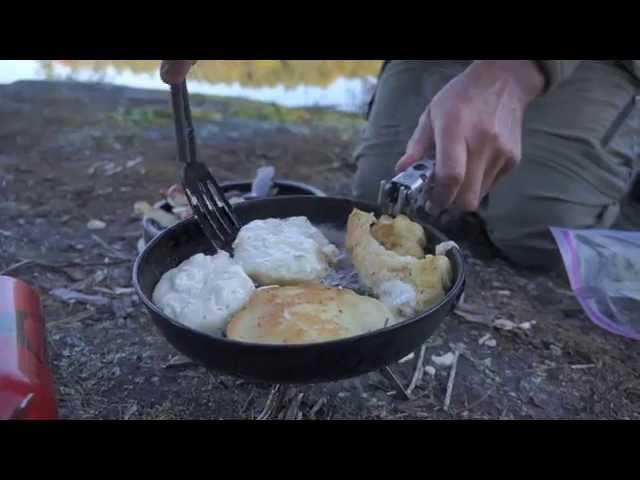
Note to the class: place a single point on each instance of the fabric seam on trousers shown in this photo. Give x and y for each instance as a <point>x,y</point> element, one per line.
<point>623,116</point>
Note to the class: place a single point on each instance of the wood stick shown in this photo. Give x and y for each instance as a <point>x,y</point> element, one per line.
<point>452,377</point>
<point>419,371</point>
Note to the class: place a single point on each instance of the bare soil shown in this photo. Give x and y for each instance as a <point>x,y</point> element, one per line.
<point>72,152</point>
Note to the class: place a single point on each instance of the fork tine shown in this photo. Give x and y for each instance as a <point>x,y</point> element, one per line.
<point>224,206</point>
<point>221,199</point>
<point>216,214</point>
<point>208,227</point>
<point>197,174</point>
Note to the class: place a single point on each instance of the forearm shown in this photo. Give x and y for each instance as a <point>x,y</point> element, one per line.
<point>524,76</point>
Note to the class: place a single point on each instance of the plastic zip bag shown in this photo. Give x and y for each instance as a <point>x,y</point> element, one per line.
<point>604,271</point>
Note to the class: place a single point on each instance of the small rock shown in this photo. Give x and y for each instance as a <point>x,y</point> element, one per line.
<point>445,360</point>
<point>96,224</point>
<point>124,290</point>
<point>131,410</point>
<point>133,163</point>
<point>557,351</point>
<point>99,276</point>
<point>525,325</point>
<point>488,341</point>
<point>179,361</point>
<point>429,370</point>
<point>504,324</point>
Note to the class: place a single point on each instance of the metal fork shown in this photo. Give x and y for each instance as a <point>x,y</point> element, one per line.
<point>208,202</point>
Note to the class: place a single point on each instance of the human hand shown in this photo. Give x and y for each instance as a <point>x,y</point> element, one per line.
<point>175,71</point>
<point>474,128</point>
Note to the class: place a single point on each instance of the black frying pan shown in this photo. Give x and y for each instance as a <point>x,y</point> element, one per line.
<point>289,364</point>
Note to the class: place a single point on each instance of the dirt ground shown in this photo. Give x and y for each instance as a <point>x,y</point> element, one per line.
<point>70,153</point>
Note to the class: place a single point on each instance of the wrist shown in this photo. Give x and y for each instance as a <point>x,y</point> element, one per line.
<point>525,75</point>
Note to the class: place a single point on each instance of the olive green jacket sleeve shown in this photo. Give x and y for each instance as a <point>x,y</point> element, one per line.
<point>556,71</point>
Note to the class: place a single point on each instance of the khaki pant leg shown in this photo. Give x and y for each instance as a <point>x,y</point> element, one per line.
<point>580,152</point>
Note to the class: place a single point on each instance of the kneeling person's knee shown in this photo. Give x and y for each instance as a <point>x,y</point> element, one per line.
<point>520,226</point>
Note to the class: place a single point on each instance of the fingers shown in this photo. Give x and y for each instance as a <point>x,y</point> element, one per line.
<point>493,172</point>
<point>175,71</point>
<point>451,166</point>
<point>420,144</point>
<point>471,190</point>
<point>504,162</point>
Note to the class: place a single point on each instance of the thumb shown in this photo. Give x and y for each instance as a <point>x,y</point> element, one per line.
<point>420,144</point>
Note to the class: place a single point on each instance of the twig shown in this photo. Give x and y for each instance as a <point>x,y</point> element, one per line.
<point>179,361</point>
<point>407,358</point>
<point>75,318</point>
<point>424,414</point>
<point>504,413</point>
<point>15,266</point>
<point>288,398</point>
<point>556,367</point>
<point>273,402</point>
<point>482,399</point>
<point>582,367</point>
<point>398,415</point>
<point>104,290</point>
<point>61,267</point>
<point>317,406</point>
<point>99,264</point>
<point>294,408</point>
<point>246,404</point>
<point>116,253</point>
<point>452,377</point>
<point>419,371</point>
<point>388,373</point>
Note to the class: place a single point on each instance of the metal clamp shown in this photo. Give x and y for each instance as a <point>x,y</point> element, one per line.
<point>408,191</point>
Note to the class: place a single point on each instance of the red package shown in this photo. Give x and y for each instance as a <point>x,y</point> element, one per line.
<point>26,383</point>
